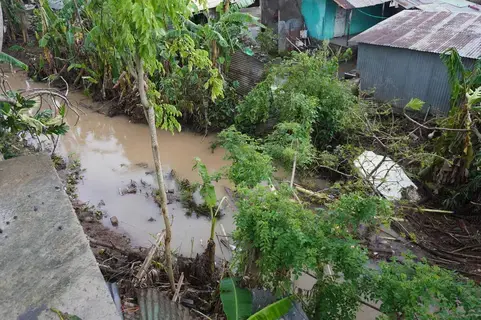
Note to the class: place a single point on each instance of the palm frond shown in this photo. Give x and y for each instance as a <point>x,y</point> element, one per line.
<point>6,58</point>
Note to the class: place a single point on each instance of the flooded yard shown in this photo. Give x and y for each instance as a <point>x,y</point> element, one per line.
<point>114,152</point>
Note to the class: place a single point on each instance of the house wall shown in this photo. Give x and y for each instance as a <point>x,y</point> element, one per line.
<point>361,21</point>
<point>397,75</point>
<point>320,15</point>
<point>314,12</point>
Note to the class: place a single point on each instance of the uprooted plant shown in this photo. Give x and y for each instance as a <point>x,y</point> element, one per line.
<point>32,114</point>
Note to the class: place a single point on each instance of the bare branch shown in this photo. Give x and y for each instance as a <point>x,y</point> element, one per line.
<point>433,128</point>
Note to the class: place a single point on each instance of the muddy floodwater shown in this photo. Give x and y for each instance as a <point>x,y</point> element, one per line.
<point>114,152</point>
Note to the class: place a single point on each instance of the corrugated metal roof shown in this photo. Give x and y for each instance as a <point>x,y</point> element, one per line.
<point>441,5</point>
<point>351,4</point>
<point>155,305</point>
<point>428,31</point>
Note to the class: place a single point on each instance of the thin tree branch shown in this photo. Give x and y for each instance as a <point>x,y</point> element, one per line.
<point>433,128</point>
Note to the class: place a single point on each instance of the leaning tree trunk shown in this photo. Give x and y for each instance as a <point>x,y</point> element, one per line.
<point>1,28</point>
<point>158,170</point>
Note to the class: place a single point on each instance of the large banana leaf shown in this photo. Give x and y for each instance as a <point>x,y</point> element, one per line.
<point>273,311</point>
<point>237,302</point>
<point>9,59</point>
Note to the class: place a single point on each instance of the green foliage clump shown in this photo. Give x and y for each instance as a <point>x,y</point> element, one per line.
<point>304,89</point>
<point>21,116</point>
<point>354,209</point>
<point>267,41</point>
<point>250,165</point>
<point>272,234</point>
<point>277,238</point>
<point>290,140</point>
<point>416,290</point>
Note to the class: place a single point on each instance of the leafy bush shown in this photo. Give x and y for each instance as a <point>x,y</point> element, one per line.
<point>288,141</point>
<point>249,165</point>
<point>415,290</point>
<point>277,238</point>
<point>273,237</point>
<point>267,40</point>
<point>303,89</point>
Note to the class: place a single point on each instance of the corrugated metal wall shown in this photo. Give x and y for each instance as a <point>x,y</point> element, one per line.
<point>247,70</point>
<point>397,75</point>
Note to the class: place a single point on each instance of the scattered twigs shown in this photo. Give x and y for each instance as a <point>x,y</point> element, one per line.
<point>309,192</point>
<point>153,250</point>
<point>200,313</point>
<point>428,210</point>
<point>466,248</point>
<point>179,285</point>
<point>433,128</point>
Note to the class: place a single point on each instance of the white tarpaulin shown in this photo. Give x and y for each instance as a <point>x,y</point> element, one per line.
<point>384,174</point>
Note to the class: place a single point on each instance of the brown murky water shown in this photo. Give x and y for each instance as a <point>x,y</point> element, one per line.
<point>114,151</point>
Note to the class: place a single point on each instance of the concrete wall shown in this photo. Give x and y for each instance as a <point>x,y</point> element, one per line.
<point>397,75</point>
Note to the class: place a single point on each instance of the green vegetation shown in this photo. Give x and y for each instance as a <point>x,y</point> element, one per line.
<point>249,166</point>
<point>207,191</point>
<point>303,89</point>
<point>152,54</point>
<point>21,118</point>
<point>238,304</point>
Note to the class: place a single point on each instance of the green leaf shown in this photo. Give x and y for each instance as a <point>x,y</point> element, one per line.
<point>273,311</point>
<point>9,59</point>
<point>76,66</point>
<point>90,79</point>
<point>237,302</point>
<point>42,43</point>
<point>62,110</point>
<point>415,104</point>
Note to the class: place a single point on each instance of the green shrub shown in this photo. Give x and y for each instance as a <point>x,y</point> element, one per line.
<point>288,141</point>
<point>250,165</point>
<point>304,89</point>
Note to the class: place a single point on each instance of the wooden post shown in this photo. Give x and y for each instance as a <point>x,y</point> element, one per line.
<point>348,27</point>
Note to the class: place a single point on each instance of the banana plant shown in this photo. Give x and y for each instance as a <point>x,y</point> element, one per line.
<point>237,303</point>
<point>207,191</point>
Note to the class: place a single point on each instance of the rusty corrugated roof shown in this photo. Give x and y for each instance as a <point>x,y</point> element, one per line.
<point>441,5</point>
<point>351,4</point>
<point>428,31</point>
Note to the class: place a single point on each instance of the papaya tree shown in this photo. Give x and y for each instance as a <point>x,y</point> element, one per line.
<point>136,28</point>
